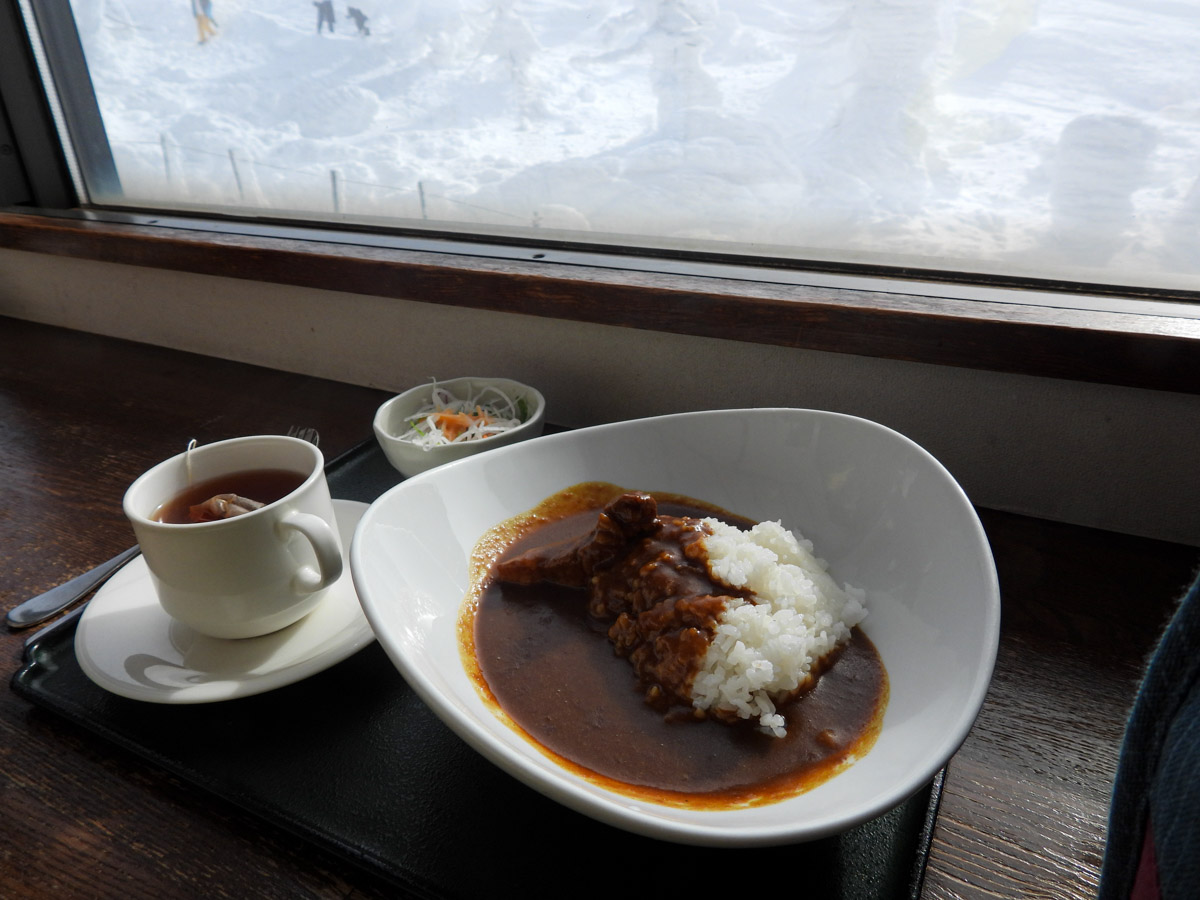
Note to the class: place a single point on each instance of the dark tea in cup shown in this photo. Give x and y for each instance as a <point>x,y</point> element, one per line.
<point>267,563</point>
<point>263,486</point>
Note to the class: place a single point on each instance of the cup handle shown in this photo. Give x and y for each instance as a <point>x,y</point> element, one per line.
<point>325,544</point>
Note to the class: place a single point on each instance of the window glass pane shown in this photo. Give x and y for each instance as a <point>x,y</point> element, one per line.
<point>1057,138</point>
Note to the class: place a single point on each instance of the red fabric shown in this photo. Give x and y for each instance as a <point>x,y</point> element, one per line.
<point>1145,885</point>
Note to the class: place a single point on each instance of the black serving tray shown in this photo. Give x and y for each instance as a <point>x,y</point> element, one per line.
<point>353,761</point>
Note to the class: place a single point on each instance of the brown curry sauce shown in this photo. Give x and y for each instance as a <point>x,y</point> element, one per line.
<point>547,668</point>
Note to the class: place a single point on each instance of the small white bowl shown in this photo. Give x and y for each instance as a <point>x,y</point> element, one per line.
<point>392,419</point>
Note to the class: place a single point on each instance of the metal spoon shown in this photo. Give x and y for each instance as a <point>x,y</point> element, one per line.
<point>43,606</point>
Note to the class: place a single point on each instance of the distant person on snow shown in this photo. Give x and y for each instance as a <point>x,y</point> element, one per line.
<point>206,26</point>
<point>324,14</point>
<point>359,19</point>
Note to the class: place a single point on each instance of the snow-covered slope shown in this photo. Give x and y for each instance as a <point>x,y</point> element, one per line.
<point>1020,133</point>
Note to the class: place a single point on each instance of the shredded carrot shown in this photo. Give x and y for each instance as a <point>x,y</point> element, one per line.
<point>452,424</point>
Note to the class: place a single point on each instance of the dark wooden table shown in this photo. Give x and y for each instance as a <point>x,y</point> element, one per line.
<point>1024,808</point>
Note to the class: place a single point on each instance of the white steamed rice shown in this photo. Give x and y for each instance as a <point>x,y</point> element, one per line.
<point>767,649</point>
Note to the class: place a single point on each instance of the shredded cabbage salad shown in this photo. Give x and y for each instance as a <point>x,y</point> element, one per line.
<point>447,419</point>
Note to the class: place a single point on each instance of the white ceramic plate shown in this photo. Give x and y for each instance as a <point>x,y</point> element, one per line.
<point>127,644</point>
<point>884,513</point>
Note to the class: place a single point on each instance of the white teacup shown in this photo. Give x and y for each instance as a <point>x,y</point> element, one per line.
<point>253,573</point>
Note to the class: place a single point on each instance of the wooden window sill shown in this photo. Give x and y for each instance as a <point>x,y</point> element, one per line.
<point>1155,345</point>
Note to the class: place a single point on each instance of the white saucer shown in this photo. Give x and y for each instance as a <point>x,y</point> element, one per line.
<point>127,644</point>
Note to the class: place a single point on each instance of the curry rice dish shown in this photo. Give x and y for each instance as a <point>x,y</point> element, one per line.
<point>731,628</point>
